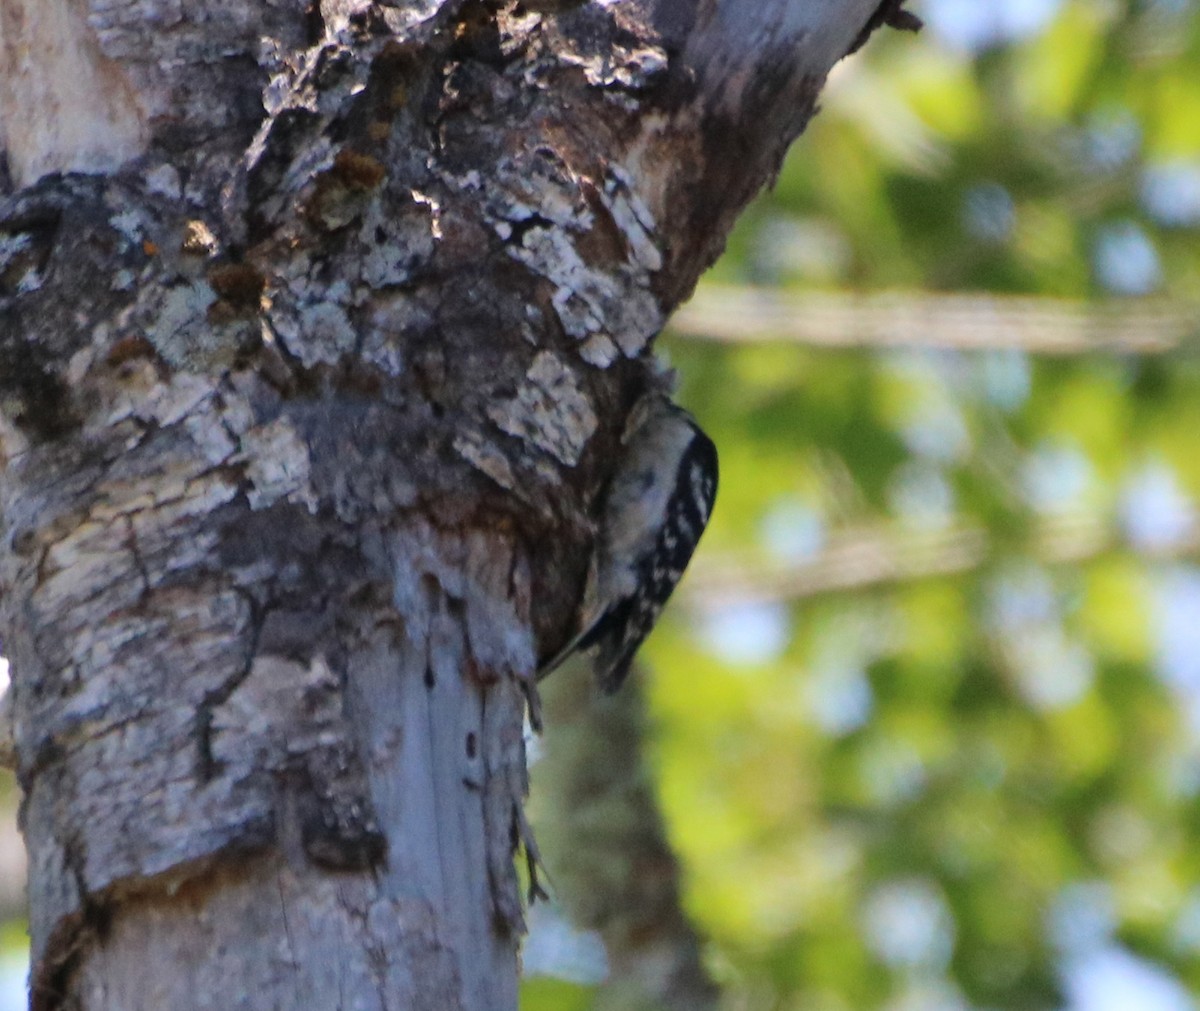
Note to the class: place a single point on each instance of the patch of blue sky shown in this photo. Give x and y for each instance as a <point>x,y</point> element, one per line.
<point>1111,140</point>
<point>1082,918</point>
<point>929,418</point>
<point>908,924</point>
<point>973,25</point>
<point>920,495</point>
<point>1056,477</point>
<point>838,695</point>
<point>1170,192</point>
<point>1155,511</point>
<point>1020,596</point>
<point>554,947</point>
<point>988,213</point>
<point>789,248</point>
<point>1125,260</point>
<point>1006,378</point>
<point>1113,979</point>
<point>1053,671</point>
<point>1176,609</point>
<point>792,530</point>
<point>1185,931</point>
<point>744,634</point>
<point>1052,668</point>
<point>937,430</point>
<point>14,972</point>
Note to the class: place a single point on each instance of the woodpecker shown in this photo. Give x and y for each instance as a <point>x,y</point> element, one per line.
<point>656,507</point>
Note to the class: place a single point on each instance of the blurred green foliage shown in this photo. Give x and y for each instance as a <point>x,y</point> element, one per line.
<point>959,788</point>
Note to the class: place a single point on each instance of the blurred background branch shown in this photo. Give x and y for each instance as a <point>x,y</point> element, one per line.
<point>857,559</point>
<point>964,322</point>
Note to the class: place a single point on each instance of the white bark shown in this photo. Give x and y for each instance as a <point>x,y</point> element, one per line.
<point>68,107</point>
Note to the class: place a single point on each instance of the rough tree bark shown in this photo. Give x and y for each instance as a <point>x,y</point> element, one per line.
<point>319,326</point>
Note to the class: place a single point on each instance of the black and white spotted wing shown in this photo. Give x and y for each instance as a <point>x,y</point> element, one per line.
<point>627,621</point>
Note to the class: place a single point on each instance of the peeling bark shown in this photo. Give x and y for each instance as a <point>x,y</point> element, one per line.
<point>307,394</point>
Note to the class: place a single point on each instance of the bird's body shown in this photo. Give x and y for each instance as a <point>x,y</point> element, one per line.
<point>656,508</point>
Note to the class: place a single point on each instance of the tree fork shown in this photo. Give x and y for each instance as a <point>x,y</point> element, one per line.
<point>307,391</point>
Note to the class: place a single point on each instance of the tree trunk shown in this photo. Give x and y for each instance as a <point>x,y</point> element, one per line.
<point>607,849</point>
<point>307,392</point>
